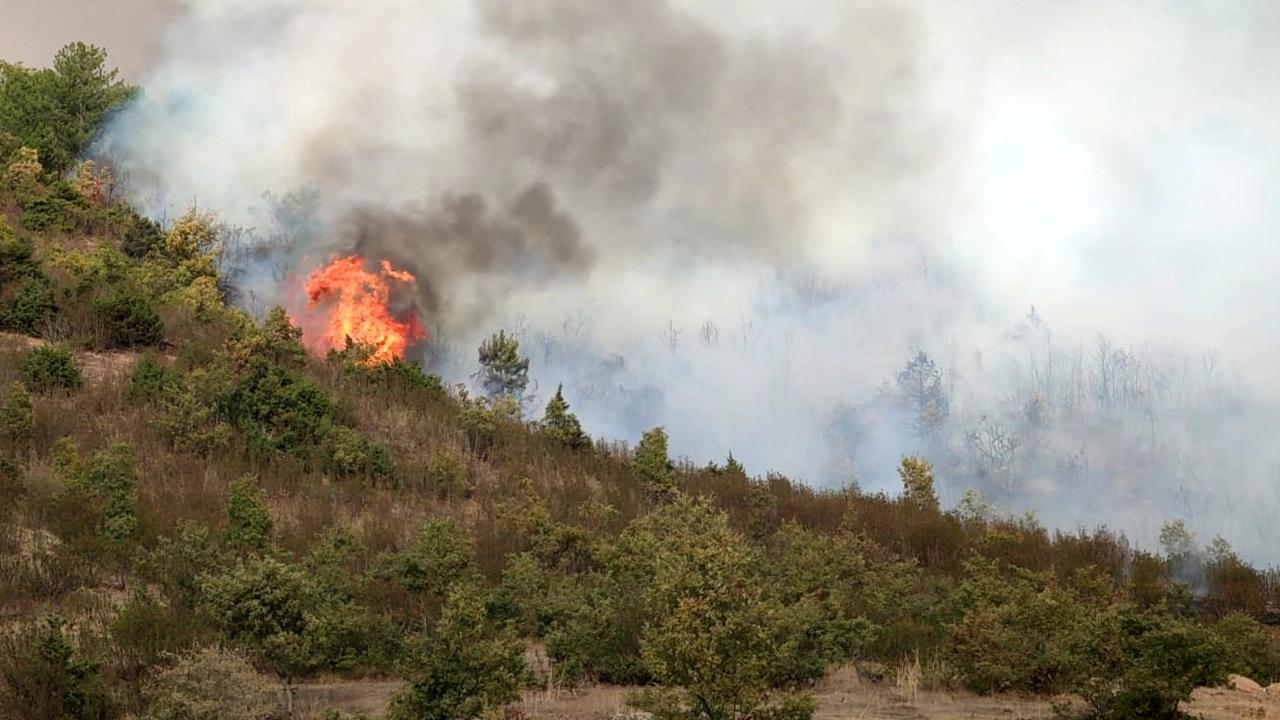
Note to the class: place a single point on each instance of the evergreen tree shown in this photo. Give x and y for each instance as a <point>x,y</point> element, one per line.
<point>248,518</point>
<point>920,385</point>
<point>653,466</point>
<point>503,372</point>
<point>917,483</point>
<point>562,425</point>
<point>16,418</point>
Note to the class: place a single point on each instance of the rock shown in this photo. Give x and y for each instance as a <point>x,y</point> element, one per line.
<point>1273,689</point>
<point>1243,684</point>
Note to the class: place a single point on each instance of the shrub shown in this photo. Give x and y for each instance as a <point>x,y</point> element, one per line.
<point>209,683</point>
<point>32,306</point>
<point>652,465</point>
<point>16,418</point>
<point>352,454</point>
<point>448,477</point>
<point>43,676</point>
<point>462,670</point>
<point>1250,649</point>
<point>152,380</point>
<point>48,368</point>
<point>1144,664</point>
<point>129,318</point>
<point>561,425</point>
<point>248,518</point>
<point>146,630</point>
<point>141,238</point>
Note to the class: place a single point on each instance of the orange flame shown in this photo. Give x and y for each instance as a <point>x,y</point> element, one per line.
<point>357,303</point>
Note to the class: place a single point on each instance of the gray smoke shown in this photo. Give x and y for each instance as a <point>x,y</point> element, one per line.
<point>741,220</point>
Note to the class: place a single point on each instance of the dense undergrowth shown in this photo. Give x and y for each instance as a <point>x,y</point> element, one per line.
<point>206,502</point>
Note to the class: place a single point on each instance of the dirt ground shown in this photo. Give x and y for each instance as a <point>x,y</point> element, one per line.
<point>843,696</point>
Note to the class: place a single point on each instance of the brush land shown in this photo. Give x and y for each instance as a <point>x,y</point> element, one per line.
<point>199,518</point>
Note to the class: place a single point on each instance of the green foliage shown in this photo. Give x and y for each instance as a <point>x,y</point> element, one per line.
<point>99,498</point>
<point>448,476</point>
<point>652,466</point>
<point>142,237</point>
<point>1250,649</point>
<point>561,425</point>
<point>43,676</point>
<point>248,517</point>
<point>146,630</point>
<point>27,297</point>
<point>917,483</point>
<point>49,367</point>
<point>714,629</point>
<point>503,372</point>
<point>439,558</point>
<point>462,670</point>
<point>209,683</point>
<point>1143,664</point>
<point>152,380</point>
<point>129,318</point>
<point>16,417</point>
<point>178,561</point>
<point>353,454</point>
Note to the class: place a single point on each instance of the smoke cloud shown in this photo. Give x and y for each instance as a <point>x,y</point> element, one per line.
<point>742,222</point>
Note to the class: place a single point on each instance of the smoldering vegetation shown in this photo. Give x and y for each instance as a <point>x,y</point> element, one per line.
<point>1031,243</point>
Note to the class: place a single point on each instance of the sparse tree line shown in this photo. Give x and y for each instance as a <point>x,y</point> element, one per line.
<point>192,535</point>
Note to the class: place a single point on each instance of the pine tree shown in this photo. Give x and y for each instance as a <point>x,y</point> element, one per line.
<point>920,383</point>
<point>16,418</point>
<point>503,371</point>
<point>917,483</point>
<point>561,425</point>
<point>248,518</point>
<point>653,466</point>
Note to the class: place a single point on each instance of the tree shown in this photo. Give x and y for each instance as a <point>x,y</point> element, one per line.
<point>917,483</point>
<point>43,676</point>
<point>920,386</point>
<point>209,683</point>
<point>714,628</point>
<point>462,670</point>
<point>652,465</point>
<point>58,111</point>
<point>48,368</point>
<point>561,425</point>
<point>16,418</point>
<point>503,372</point>
<point>263,605</point>
<point>248,517</point>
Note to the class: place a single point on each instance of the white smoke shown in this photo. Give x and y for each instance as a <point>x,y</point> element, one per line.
<point>751,217</point>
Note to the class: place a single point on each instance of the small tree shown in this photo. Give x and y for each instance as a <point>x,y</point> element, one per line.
<point>922,392</point>
<point>48,368</point>
<point>248,517</point>
<point>465,669</point>
<point>917,483</point>
<point>652,465</point>
<point>209,683</point>
<point>16,418</point>
<point>44,677</point>
<point>503,372</point>
<point>561,425</point>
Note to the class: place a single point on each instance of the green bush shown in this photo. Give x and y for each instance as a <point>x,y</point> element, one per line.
<point>152,380</point>
<point>129,318</point>
<point>464,669</point>
<point>16,418</point>
<point>49,368</point>
<point>43,676</point>
<point>146,630</point>
<point>248,517</point>
<point>31,307</point>
<point>1144,664</point>
<point>352,454</point>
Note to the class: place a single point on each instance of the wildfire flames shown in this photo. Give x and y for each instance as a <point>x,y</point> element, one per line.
<point>354,302</point>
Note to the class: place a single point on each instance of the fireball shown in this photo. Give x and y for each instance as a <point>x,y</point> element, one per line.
<point>354,303</point>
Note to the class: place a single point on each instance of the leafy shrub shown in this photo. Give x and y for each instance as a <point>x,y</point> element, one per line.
<point>248,518</point>
<point>43,676</point>
<point>48,368</point>
<point>141,238</point>
<point>652,465</point>
<point>146,630</point>
<point>129,318</point>
<point>352,454</point>
<point>448,477</point>
<point>210,683</point>
<point>16,417</point>
<point>1143,664</point>
<point>152,380</point>
<point>31,307</point>
<point>1250,649</point>
<point>178,561</point>
<point>462,670</point>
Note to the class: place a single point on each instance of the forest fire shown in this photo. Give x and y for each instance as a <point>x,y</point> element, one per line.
<point>351,301</point>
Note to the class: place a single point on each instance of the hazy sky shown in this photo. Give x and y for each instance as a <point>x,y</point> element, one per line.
<point>33,30</point>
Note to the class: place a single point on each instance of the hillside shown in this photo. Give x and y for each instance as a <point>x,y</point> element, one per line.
<point>198,510</point>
